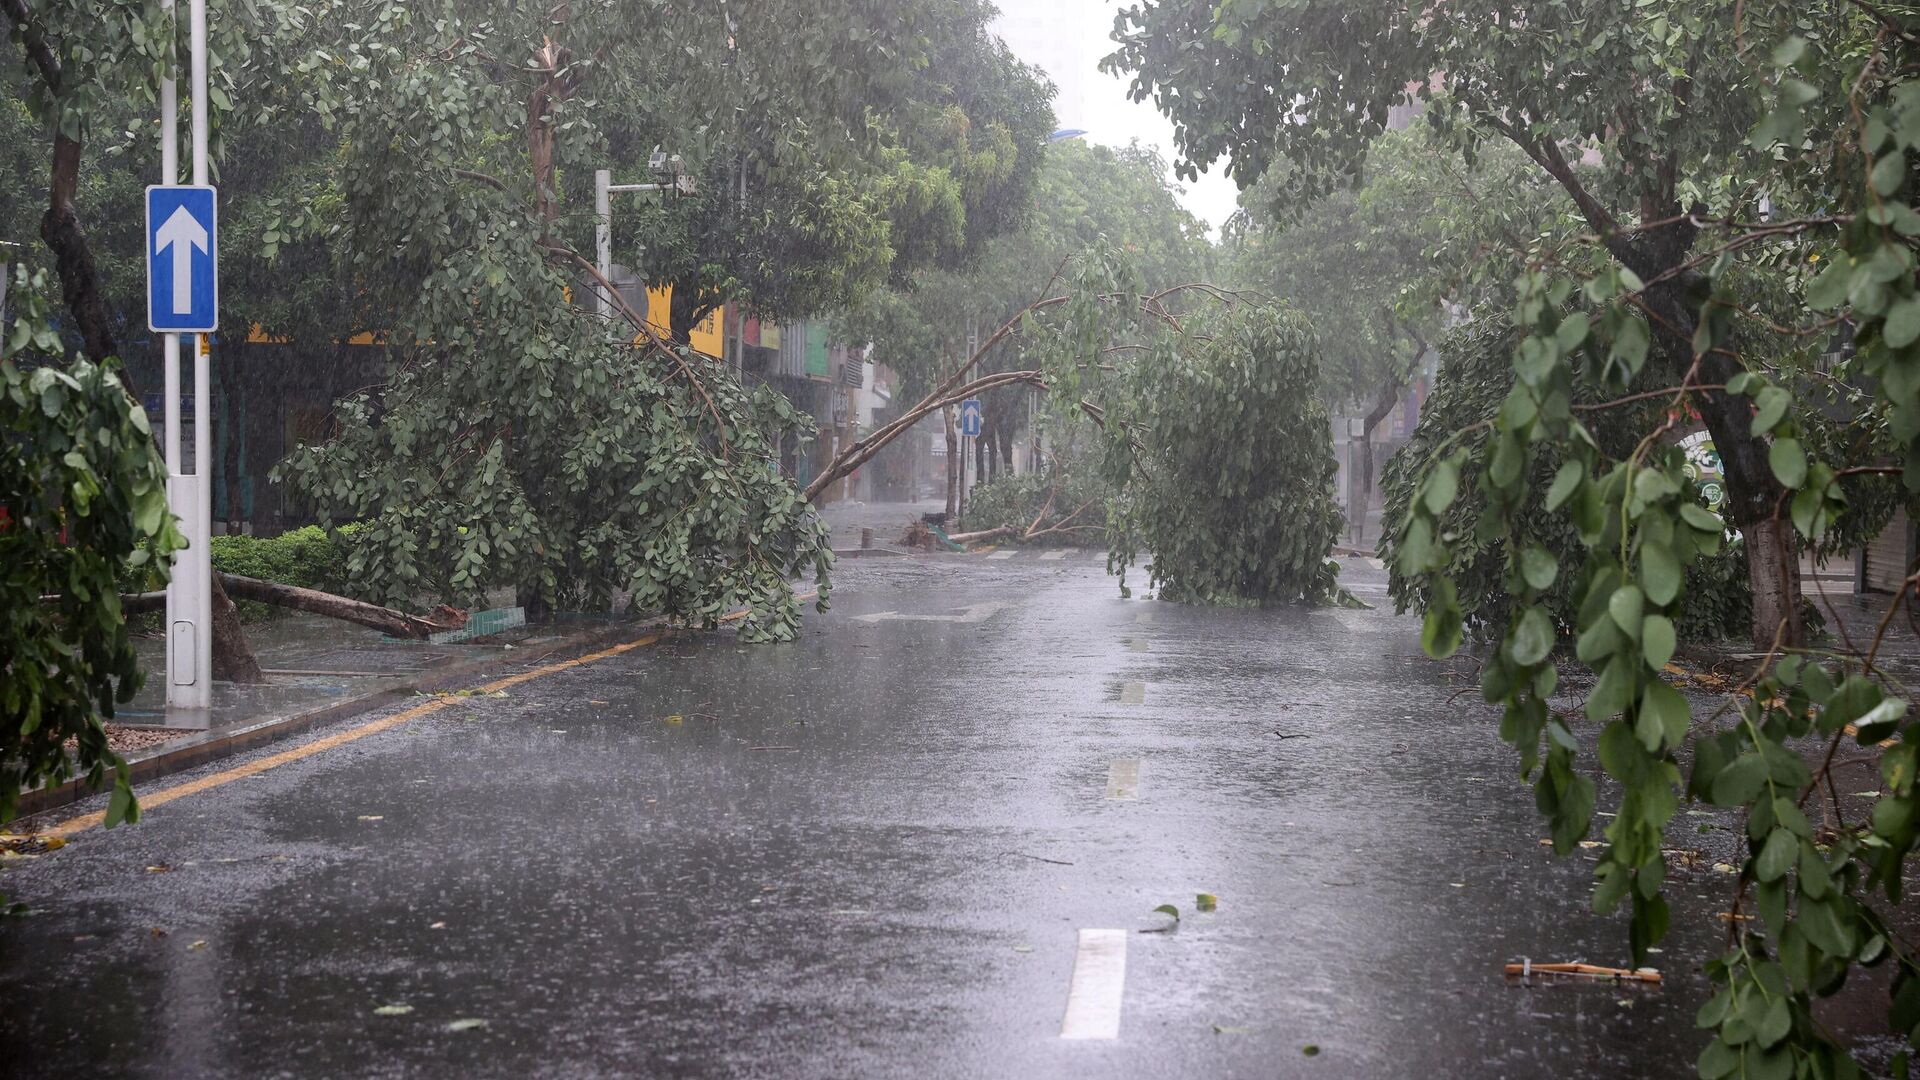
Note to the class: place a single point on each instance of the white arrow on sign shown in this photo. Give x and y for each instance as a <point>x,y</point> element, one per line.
<point>975,614</point>
<point>182,232</point>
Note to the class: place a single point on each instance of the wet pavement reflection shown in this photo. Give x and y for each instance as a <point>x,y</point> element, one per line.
<point>869,853</point>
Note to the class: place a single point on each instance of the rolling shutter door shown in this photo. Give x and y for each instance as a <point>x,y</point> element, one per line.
<point>1887,555</point>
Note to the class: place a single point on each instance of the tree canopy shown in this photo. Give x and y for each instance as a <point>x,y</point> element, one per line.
<point>1742,170</point>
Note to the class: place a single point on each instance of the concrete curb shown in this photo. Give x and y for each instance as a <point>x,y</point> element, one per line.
<point>178,755</point>
<point>868,553</point>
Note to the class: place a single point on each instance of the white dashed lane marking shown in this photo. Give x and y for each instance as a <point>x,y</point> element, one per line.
<point>1099,982</point>
<point>1123,779</point>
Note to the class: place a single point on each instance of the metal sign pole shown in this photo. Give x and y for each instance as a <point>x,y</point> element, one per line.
<point>202,394</point>
<point>603,239</point>
<point>190,591</point>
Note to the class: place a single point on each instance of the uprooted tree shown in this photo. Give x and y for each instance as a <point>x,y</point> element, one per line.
<point>1212,439</point>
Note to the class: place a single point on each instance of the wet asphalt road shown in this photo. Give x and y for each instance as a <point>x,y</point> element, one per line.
<point>868,854</point>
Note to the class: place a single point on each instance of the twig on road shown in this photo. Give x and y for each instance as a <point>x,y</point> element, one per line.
<point>1038,858</point>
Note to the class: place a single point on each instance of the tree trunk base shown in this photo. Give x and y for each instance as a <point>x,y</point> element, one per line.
<point>1773,573</point>
<point>233,659</point>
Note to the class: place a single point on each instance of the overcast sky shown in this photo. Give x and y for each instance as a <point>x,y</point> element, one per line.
<point>1066,39</point>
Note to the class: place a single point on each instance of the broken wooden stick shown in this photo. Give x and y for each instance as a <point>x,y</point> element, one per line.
<point>1527,968</point>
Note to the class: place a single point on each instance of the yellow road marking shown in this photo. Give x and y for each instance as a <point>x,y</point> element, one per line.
<point>164,796</point>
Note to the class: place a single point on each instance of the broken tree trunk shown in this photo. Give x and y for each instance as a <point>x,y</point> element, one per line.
<point>385,620</point>
<point>233,659</point>
<point>983,534</point>
<point>953,466</point>
<point>373,616</point>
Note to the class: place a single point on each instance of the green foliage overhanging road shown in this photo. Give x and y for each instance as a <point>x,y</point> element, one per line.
<point>1744,178</point>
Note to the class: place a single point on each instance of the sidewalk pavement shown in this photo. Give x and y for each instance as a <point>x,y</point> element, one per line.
<point>317,669</point>
<point>888,520</point>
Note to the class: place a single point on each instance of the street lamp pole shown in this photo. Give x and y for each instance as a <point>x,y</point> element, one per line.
<point>603,191</point>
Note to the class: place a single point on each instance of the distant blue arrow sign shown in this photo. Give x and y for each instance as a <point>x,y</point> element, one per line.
<point>183,282</point>
<point>970,418</point>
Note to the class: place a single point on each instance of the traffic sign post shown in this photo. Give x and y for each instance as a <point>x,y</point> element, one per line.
<point>183,296</point>
<point>183,285</point>
<point>970,418</point>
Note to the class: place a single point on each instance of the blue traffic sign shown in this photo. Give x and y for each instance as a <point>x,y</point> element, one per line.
<point>970,418</point>
<point>183,283</point>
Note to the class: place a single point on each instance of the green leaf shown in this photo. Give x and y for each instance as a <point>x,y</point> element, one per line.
<point>1889,173</point>
<point>1565,483</point>
<point>1442,486</point>
<point>1614,691</point>
<point>121,807</point>
<point>1789,462</point>
<point>1701,518</point>
<point>1857,697</point>
<point>1532,637</point>
<point>1824,926</point>
<point>1771,404</point>
<point>1717,1062</point>
<point>1829,290</point>
<point>1777,855</point>
<point>1572,331</point>
<point>1880,721</point>
<point>1776,1025</point>
<point>1625,606</point>
<point>1903,324</point>
<point>1441,631</point>
<point>1659,573</point>
<point>1630,344</point>
<point>1657,641</point>
<point>1665,715</point>
<point>1169,909</point>
<point>1740,782</point>
<point>1538,568</point>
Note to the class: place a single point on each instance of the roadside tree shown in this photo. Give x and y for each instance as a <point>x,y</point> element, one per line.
<point>1751,206</point>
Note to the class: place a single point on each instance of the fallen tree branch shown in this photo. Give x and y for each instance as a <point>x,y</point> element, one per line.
<point>862,451</point>
<point>386,620</point>
<point>951,391</point>
<point>983,535</point>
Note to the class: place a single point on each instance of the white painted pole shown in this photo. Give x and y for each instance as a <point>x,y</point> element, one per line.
<point>181,659</point>
<point>190,637</point>
<point>603,238</point>
<point>170,174</point>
